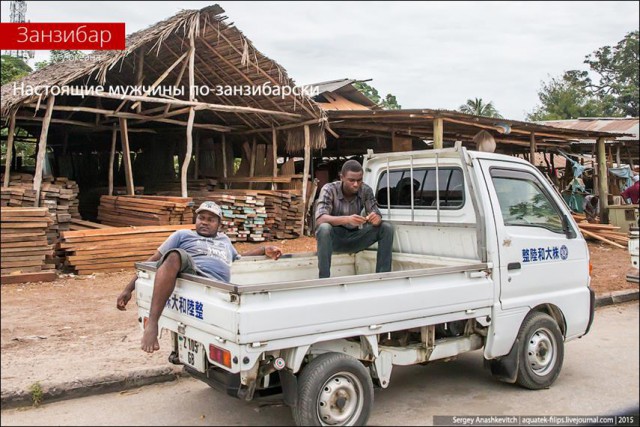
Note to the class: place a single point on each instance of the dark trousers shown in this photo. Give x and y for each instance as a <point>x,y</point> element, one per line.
<point>339,239</point>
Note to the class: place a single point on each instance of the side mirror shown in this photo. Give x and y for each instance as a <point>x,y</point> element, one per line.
<point>567,228</point>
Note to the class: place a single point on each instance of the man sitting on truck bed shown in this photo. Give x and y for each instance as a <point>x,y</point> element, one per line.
<point>340,226</point>
<point>204,252</point>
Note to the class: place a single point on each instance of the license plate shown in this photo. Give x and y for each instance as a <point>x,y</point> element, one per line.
<point>191,353</point>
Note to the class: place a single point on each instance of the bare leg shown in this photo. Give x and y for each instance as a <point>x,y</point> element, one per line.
<point>163,286</point>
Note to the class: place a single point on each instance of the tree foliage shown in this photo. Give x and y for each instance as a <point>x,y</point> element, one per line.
<point>13,68</point>
<point>478,107</point>
<point>60,56</point>
<point>389,102</point>
<point>608,89</point>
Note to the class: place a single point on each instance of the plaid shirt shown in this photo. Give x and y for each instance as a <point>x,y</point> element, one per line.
<point>332,202</point>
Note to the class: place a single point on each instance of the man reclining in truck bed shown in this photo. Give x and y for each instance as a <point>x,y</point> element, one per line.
<point>204,252</point>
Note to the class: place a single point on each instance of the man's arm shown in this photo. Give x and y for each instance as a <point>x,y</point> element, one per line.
<point>125,295</point>
<point>272,252</point>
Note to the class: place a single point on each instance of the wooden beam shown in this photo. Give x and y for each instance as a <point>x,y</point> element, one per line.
<point>532,148</point>
<point>274,153</point>
<point>42,149</point>
<point>252,162</point>
<point>438,131</point>
<point>10,136</point>
<point>224,156</point>
<point>159,80</point>
<point>196,170</point>
<point>112,156</point>
<point>603,181</point>
<point>305,173</point>
<point>201,105</point>
<point>126,158</point>
<point>192,114</point>
<point>284,127</point>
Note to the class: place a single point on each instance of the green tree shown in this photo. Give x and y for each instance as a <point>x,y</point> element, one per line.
<point>567,97</point>
<point>617,73</point>
<point>478,107</point>
<point>391,103</point>
<point>388,103</point>
<point>608,89</point>
<point>13,68</point>
<point>60,56</point>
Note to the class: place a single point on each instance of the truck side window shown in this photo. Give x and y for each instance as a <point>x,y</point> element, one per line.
<point>523,201</point>
<point>423,187</point>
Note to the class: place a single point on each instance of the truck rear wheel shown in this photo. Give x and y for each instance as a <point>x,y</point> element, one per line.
<point>333,390</point>
<point>541,351</point>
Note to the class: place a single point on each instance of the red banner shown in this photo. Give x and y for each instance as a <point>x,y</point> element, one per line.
<point>62,36</point>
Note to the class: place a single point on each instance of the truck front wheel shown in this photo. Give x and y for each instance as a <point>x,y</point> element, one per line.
<point>333,390</point>
<point>541,351</point>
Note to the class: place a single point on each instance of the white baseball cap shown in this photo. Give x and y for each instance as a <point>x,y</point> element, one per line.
<point>636,178</point>
<point>210,207</point>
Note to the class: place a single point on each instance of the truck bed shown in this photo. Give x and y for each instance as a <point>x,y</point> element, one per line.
<point>266,295</point>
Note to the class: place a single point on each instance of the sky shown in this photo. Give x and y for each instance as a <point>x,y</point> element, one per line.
<point>428,54</point>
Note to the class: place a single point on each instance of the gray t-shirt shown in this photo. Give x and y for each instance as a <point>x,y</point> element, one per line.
<point>212,255</point>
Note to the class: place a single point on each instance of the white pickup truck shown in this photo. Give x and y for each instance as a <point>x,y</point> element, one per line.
<point>486,256</point>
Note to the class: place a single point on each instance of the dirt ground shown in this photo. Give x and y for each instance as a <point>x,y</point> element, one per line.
<point>70,330</point>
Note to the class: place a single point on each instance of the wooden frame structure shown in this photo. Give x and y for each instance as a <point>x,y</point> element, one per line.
<point>193,71</point>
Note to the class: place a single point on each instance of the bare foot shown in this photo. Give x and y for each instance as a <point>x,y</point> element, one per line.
<point>149,341</point>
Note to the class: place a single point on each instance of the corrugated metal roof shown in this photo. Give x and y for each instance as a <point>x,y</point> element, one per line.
<point>331,85</point>
<point>600,124</point>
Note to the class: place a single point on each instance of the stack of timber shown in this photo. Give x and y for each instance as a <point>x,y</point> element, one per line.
<point>602,232</point>
<point>60,195</point>
<point>24,245</point>
<point>258,215</point>
<point>243,217</point>
<point>109,249</point>
<point>122,211</point>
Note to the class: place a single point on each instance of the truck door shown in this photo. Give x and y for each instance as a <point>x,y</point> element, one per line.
<point>538,261</point>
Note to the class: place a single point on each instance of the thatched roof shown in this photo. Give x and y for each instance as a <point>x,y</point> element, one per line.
<point>223,56</point>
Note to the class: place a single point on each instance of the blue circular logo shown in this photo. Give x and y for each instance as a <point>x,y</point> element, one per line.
<point>564,252</point>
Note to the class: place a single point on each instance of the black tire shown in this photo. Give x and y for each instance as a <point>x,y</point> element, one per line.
<point>541,351</point>
<point>333,389</point>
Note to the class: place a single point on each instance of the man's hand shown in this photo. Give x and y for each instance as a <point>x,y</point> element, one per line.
<point>355,220</point>
<point>123,299</point>
<point>374,219</point>
<point>273,252</point>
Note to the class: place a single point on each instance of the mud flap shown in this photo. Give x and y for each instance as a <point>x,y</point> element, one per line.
<point>289,387</point>
<point>506,368</point>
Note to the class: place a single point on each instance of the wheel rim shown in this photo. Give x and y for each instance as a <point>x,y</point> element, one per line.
<point>541,351</point>
<point>340,401</point>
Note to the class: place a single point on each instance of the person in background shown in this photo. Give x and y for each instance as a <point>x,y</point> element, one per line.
<point>348,220</point>
<point>591,207</point>
<point>204,251</point>
<point>633,191</point>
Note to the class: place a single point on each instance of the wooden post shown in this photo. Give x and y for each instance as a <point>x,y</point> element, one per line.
<point>112,156</point>
<point>305,174</point>
<point>603,181</point>
<point>630,157</point>
<point>224,157</point>
<point>196,171</point>
<point>252,161</point>
<point>139,75</point>
<point>126,157</point>
<point>274,147</point>
<point>42,150</point>
<point>532,149</point>
<point>438,133</point>
<point>192,113</point>
<point>618,160</point>
<point>10,136</point>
